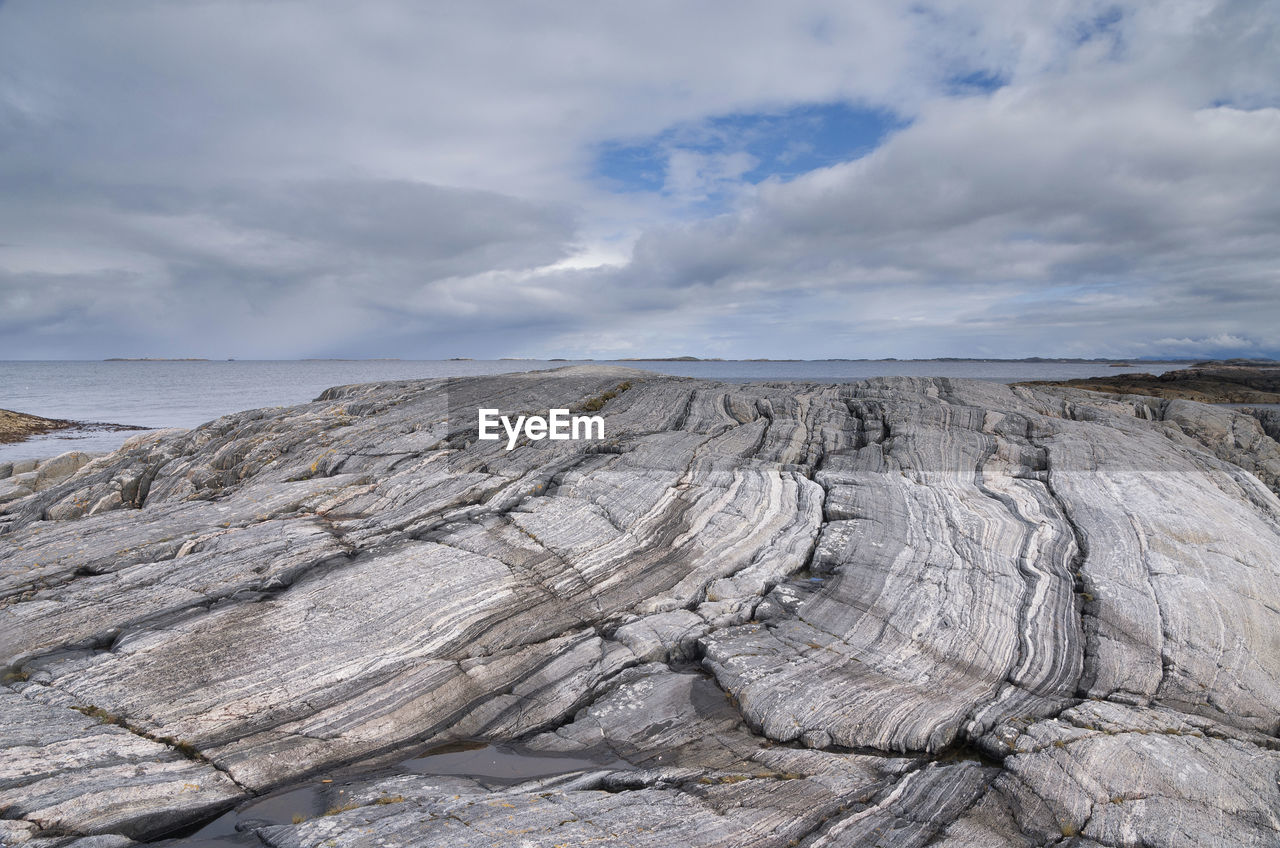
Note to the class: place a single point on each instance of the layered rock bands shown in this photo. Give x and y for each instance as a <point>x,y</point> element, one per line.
<point>899,612</point>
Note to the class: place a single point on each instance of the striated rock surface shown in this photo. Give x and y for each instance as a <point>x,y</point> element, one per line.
<point>1269,418</point>
<point>65,771</point>
<point>22,478</point>
<point>898,612</point>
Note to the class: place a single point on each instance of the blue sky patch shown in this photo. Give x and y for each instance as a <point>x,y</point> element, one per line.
<point>976,82</point>
<point>782,144</point>
<point>1106,24</point>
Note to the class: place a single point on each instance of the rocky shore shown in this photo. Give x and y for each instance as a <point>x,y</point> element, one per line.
<point>16,426</point>
<point>27,476</point>
<point>900,612</point>
<point>1233,381</point>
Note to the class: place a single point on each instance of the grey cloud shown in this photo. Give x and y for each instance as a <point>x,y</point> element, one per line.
<point>465,231</point>
<point>285,179</point>
<point>1010,205</point>
<point>447,231</point>
<point>253,270</point>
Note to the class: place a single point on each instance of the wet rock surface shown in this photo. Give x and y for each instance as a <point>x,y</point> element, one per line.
<point>15,426</point>
<point>898,612</point>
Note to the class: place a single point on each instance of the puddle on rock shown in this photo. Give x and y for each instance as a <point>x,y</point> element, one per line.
<point>492,765</point>
<point>504,763</point>
<point>277,808</point>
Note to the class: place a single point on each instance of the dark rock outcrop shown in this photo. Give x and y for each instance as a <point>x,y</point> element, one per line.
<point>16,426</point>
<point>897,612</point>
<point>1233,381</point>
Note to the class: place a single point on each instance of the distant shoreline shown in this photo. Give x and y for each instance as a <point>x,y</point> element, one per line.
<point>19,426</point>
<point>1232,381</point>
<point>1126,362</point>
<point>16,426</point>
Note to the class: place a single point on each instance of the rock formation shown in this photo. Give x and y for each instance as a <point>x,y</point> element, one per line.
<point>899,612</point>
<point>1232,381</point>
<point>21,478</point>
<point>15,426</point>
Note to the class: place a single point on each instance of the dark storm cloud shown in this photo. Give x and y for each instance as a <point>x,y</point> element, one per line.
<point>280,179</point>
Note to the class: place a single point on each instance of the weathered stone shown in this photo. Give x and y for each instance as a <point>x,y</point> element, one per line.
<point>1267,416</point>
<point>66,772</point>
<point>1206,382</point>
<point>55,470</point>
<point>664,637</point>
<point>16,487</point>
<point>830,614</point>
<point>1112,774</point>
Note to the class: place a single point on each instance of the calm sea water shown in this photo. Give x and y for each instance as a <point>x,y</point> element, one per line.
<point>185,394</point>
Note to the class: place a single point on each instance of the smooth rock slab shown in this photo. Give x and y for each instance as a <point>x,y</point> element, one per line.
<point>64,773</point>
<point>1116,775</point>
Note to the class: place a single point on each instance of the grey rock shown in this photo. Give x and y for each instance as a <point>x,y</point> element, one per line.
<point>102,841</point>
<point>1268,417</point>
<point>17,831</point>
<point>664,637</point>
<point>95,607</point>
<point>1107,773</point>
<point>62,771</point>
<point>14,489</point>
<point>918,611</point>
<point>704,780</point>
<point>1239,436</point>
<point>59,468</point>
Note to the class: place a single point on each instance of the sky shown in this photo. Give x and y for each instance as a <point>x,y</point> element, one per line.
<point>275,179</point>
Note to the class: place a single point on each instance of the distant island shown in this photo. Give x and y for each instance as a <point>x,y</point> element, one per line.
<point>671,359</point>
<point>1099,360</point>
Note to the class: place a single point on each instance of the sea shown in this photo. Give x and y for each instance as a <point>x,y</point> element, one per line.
<point>154,394</point>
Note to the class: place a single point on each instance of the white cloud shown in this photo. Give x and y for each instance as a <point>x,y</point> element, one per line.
<point>411,181</point>
<point>1211,344</point>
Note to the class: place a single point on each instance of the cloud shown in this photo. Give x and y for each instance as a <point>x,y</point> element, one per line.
<point>1209,345</point>
<point>804,180</point>
<point>258,270</point>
